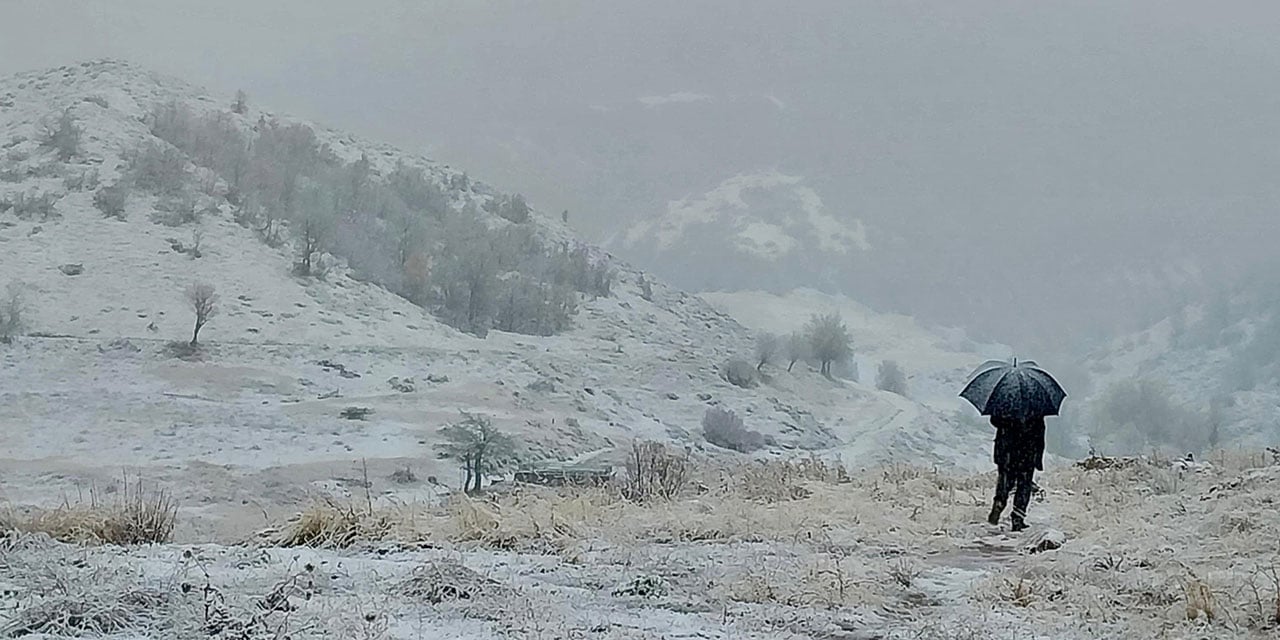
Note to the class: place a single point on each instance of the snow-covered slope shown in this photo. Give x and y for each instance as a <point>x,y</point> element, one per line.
<point>936,364</point>
<point>1216,357</point>
<point>94,386</point>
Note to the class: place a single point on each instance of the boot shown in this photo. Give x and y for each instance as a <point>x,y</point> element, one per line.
<point>997,509</point>
<point>1017,523</point>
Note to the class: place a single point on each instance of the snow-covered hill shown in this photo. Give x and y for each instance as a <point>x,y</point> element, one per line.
<point>93,385</point>
<point>1215,358</point>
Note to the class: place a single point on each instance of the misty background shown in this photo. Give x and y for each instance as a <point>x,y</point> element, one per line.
<point>1043,175</point>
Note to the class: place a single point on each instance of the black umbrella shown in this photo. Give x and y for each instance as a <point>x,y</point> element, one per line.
<point>1014,390</point>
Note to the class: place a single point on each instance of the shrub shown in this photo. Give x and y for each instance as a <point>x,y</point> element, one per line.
<point>655,471</point>
<point>891,378</point>
<point>31,207</point>
<point>1135,415</point>
<point>159,168</point>
<point>111,200</point>
<point>512,208</point>
<point>64,137</point>
<point>739,373</point>
<point>725,429</point>
<point>84,180</point>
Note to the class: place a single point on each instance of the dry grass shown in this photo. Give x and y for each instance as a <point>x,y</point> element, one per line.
<point>329,524</point>
<point>134,514</point>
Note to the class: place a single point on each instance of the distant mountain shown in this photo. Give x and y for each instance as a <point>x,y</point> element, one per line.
<point>764,230</point>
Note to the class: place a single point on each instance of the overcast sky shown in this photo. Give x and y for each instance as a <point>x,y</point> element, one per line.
<point>1088,142</point>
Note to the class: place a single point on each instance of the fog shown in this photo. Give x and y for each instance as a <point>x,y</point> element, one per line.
<point>1042,174</point>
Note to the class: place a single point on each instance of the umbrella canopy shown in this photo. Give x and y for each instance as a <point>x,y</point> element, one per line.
<point>1014,390</point>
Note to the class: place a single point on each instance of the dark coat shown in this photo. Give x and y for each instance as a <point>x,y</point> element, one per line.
<point>1019,443</point>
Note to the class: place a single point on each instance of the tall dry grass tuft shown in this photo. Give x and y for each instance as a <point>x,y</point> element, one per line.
<point>329,524</point>
<point>135,515</point>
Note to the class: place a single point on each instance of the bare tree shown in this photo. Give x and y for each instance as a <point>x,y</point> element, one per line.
<point>891,378</point>
<point>204,302</point>
<point>477,446</point>
<point>797,349</point>
<point>829,340</point>
<point>313,229</point>
<point>767,347</point>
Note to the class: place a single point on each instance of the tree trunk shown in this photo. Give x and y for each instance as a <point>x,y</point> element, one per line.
<point>790,365</point>
<point>195,334</point>
<point>478,465</point>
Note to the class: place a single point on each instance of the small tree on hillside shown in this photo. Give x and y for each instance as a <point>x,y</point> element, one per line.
<point>241,103</point>
<point>64,137</point>
<point>12,310</point>
<point>797,348</point>
<point>891,378</point>
<point>204,302</point>
<point>313,227</point>
<point>767,347</point>
<point>477,446</point>
<point>829,340</point>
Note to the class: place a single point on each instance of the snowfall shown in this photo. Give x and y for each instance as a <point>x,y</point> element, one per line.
<point>867,520</point>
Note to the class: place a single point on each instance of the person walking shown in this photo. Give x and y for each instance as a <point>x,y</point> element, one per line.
<point>1018,454</point>
<point>1017,396</point>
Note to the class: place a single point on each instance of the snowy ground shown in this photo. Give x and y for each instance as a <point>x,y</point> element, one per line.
<point>1150,551</point>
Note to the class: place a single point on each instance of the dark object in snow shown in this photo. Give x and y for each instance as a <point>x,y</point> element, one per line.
<point>342,370</point>
<point>356,413</point>
<point>643,587</point>
<point>403,385</point>
<point>565,475</point>
<point>1047,540</point>
<point>1014,390</point>
<point>437,378</point>
<point>71,269</point>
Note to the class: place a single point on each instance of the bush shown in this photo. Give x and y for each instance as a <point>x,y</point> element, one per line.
<point>64,137</point>
<point>739,373</point>
<point>82,181</point>
<point>655,471</point>
<point>31,207</point>
<point>891,378</point>
<point>111,200</point>
<point>1136,415</point>
<point>159,168</point>
<point>725,429</point>
<point>512,208</point>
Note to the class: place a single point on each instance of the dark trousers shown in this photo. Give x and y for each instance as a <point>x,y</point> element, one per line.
<point>1019,482</point>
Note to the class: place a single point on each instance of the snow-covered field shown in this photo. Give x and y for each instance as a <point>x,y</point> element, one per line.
<point>1150,550</point>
